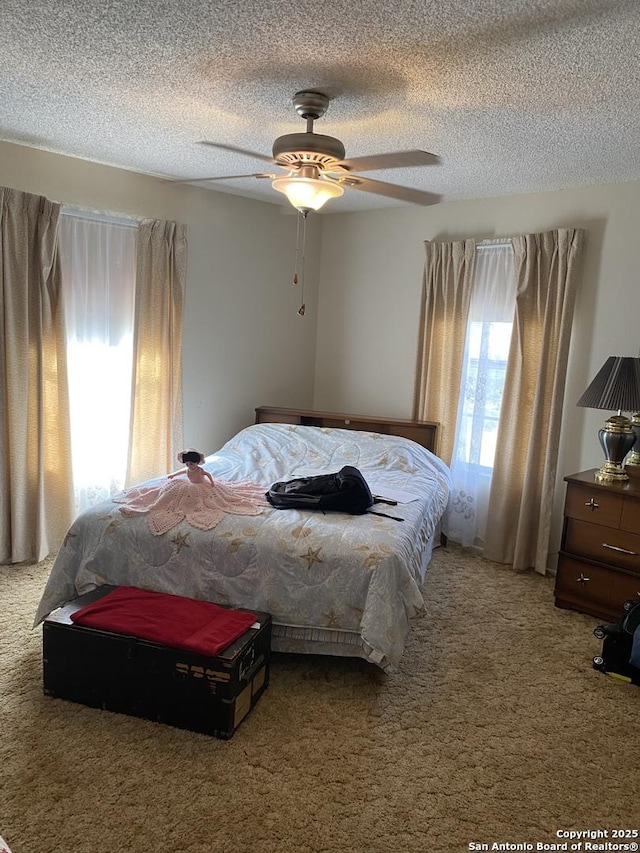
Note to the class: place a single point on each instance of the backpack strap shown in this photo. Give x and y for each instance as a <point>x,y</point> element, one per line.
<point>385,514</point>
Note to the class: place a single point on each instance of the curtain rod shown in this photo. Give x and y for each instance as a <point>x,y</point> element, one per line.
<point>491,244</point>
<point>99,216</point>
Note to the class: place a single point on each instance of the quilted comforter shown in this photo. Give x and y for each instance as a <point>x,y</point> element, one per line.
<point>334,583</point>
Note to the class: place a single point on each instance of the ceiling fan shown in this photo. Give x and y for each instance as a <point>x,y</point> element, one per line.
<point>316,167</point>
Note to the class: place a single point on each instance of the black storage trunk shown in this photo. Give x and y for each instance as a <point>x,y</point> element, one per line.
<point>617,645</point>
<point>616,651</point>
<point>117,672</point>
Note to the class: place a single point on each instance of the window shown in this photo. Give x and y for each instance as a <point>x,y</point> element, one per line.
<point>483,382</point>
<point>97,257</point>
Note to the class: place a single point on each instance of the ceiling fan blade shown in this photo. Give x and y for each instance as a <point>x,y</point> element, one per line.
<point>234,150</point>
<point>397,160</point>
<point>367,185</point>
<point>224,178</point>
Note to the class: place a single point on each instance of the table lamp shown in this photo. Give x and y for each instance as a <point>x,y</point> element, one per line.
<point>615,387</point>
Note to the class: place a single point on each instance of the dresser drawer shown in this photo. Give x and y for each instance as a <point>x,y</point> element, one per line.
<point>624,588</point>
<point>594,505</point>
<point>604,544</point>
<point>630,519</point>
<point>582,586</point>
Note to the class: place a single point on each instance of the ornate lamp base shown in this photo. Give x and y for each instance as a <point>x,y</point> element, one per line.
<point>611,472</point>
<point>616,439</point>
<point>634,456</point>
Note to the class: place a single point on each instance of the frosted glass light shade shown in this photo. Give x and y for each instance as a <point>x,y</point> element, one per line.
<point>307,194</point>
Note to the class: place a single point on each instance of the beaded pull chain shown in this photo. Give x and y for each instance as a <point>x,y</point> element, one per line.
<point>302,215</point>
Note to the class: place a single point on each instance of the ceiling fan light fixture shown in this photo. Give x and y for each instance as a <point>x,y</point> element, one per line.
<point>307,194</point>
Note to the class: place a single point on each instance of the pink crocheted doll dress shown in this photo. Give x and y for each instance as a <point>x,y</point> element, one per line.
<point>199,499</point>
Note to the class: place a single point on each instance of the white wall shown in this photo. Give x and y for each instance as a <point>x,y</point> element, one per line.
<point>370,286</point>
<point>244,343</point>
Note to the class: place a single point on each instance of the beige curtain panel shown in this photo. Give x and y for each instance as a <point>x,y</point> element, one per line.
<point>156,402</point>
<point>524,474</point>
<point>523,482</point>
<point>36,482</point>
<point>446,296</point>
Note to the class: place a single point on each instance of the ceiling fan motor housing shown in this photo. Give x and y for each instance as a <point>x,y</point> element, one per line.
<point>297,149</point>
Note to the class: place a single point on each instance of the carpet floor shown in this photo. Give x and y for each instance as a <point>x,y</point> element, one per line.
<point>495,730</point>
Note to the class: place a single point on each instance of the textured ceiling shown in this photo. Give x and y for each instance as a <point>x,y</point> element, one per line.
<point>513,95</point>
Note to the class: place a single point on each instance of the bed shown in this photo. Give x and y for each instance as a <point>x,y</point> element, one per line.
<point>335,584</point>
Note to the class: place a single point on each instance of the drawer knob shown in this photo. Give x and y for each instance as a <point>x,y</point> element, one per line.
<point>620,550</point>
<point>592,504</point>
<point>582,579</point>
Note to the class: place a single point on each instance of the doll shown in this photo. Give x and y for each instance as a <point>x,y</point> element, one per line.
<point>198,499</point>
<point>193,459</point>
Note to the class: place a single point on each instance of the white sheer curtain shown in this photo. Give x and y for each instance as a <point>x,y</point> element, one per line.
<point>98,265</point>
<point>491,315</point>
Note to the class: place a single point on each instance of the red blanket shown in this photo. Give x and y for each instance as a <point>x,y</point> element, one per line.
<point>171,620</point>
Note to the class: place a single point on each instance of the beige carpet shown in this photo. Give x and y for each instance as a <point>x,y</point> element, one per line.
<point>497,729</point>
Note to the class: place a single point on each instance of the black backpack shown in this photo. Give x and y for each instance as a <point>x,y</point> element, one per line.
<point>345,491</point>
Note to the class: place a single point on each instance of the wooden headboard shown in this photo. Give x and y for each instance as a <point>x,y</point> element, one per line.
<point>422,432</point>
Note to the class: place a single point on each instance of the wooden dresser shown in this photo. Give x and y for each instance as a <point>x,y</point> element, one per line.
<point>599,562</point>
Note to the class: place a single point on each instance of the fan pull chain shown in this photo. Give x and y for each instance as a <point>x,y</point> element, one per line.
<point>295,270</point>
<point>303,216</point>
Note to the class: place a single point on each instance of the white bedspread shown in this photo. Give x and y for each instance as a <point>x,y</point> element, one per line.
<point>325,578</point>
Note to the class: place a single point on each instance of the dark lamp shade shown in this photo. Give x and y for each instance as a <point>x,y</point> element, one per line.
<point>616,386</point>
